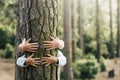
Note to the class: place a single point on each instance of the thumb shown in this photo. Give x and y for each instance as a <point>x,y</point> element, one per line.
<point>52,38</point>
<point>28,40</point>
<point>47,64</point>
<point>31,55</point>
<point>49,55</point>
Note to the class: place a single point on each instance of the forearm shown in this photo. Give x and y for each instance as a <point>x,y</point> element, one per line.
<point>21,61</point>
<point>61,58</point>
<point>61,61</point>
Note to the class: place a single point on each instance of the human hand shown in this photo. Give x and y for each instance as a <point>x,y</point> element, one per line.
<point>51,44</point>
<point>32,61</point>
<point>27,46</point>
<point>49,60</point>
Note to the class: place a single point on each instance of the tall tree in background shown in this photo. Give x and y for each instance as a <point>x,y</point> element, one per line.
<point>38,19</point>
<point>111,31</point>
<point>118,28</point>
<point>97,31</point>
<point>73,31</point>
<point>68,40</point>
<point>80,26</point>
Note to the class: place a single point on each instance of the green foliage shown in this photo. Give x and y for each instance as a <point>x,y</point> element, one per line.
<point>106,55</point>
<point>9,51</point>
<point>104,51</point>
<point>3,39</point>
<point>102,65</point>
<point>8,15</point>
<point>90,46</point>
<point>86,69</point>
<point>62,74</point>
<point>88,40</point>
<point>90,56</point>
<point>1,53</point>
<point>60,32</point>
<point>78,54</point>
<point>6,37</point>
<point>8,21</point>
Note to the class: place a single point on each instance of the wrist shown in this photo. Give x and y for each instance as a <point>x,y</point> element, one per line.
<point>26,61</point>
<point>60,44</point>
<point>21,48</point>
<point>57,62</point>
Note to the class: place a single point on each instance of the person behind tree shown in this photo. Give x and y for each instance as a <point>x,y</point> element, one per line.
<point>60,60</point>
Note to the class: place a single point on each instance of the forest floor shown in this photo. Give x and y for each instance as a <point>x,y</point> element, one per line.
<point>111,64</point>
<point>7,69</point>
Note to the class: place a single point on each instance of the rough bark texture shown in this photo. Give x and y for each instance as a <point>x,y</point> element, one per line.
<point>38,19</point>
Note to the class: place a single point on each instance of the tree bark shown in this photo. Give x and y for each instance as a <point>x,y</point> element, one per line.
<point>73,31</point>
<point>118,28</point>
<point>38,19</point>
<point>68,40</point>
<point>97,31</point>
<point>80,27</point>
<point>111,32</point>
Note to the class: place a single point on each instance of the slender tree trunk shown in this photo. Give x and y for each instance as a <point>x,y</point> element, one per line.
<point>73,31</point>
<point>73,51</point>
<point>38,19</point>
<point>111,32</point>
<point>97,31</point>
<point>80,26</point>
<point>68,40</point>
<point>118,28</point>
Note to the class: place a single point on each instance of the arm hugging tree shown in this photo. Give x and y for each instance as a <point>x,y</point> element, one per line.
<point>38,19</point>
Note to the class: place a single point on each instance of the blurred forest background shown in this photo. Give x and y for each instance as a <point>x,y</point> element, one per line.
<point>95,37</point>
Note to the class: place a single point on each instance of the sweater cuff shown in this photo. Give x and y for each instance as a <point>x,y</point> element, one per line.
<point>21,61</point>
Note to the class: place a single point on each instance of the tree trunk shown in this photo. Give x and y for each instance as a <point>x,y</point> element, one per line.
<point>73,31</point>
<point>68,40</point>
<point>38,19</point>
<point>80,26</point>
<point>111,32</point>
<point>97,31</point>
<point>118,28</point>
